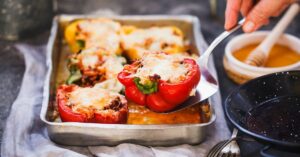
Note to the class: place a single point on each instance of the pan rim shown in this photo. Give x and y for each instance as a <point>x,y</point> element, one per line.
<point>184,17</point>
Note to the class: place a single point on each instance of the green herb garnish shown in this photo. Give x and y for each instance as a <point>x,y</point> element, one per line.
<point>80,43</point>
<point>148,88</point>
<point>74,77</point>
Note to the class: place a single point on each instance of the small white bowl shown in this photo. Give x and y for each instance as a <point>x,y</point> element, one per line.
<point>241,72</point>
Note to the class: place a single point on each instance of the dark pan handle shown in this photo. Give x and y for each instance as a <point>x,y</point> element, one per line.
<point>264,151</point>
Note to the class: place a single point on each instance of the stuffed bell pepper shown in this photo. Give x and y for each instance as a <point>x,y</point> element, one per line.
<point>136,41</point>
<point>100,33</point>
<point>160,81</point>
<point>93,65</point>
<point>90,104</point>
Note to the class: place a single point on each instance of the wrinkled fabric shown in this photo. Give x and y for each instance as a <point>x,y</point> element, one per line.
<point>26,135</point>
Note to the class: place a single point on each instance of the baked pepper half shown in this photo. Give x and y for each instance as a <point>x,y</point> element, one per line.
<point>157,93</point>
<point>91,66</point>
<point>91,105</point>
<point>97,32</point>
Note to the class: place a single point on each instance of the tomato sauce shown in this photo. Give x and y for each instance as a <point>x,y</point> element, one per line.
<point>141,115</point>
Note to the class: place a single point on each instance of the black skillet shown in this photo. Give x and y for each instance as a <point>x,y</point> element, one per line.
<point>256,106</point>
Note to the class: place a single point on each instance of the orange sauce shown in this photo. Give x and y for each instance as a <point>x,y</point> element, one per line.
<point>141,115</point>
<point>279,56</point>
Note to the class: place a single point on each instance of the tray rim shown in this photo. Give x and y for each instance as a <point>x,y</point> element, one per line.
<point>53,34</point>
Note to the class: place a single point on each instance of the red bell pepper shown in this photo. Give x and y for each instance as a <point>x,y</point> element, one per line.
<point>159,95</point>
<point>112,114</point>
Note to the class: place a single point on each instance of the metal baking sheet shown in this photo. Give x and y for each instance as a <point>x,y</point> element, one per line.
<point>83,134</point>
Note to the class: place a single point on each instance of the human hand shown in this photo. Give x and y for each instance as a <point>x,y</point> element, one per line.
<point>256,14</point>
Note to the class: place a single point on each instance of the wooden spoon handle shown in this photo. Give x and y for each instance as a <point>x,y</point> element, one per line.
<point>274,35</point>
<point>256,58</point>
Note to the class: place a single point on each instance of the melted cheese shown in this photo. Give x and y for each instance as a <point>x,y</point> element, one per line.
<point>110,84</point>
<point>90,99</point>
<point>152,39</point>
<point>168,67</point>
<point>100,33</point>
<point>90,61</point>
<point>102,64</point>
<point>99,26</point>
<point>112,65</point>
<point>90,57</point>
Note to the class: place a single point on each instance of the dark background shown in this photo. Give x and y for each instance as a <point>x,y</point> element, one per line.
<point>12,64</point>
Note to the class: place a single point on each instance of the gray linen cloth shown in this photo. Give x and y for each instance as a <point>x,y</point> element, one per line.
<point>26,135</point>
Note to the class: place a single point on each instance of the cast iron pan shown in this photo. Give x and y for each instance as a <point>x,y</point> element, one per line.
<point>261,91</point>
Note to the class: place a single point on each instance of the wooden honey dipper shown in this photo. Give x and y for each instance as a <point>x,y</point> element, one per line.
<point>259,55</point>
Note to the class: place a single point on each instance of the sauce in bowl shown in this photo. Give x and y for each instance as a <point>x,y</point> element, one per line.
<point>278,118</point>
<point>279,56</point>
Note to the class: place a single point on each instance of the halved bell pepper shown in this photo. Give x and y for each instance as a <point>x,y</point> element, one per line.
<point>113,113</point>
<point>159,95</point>
<point>80,39</point>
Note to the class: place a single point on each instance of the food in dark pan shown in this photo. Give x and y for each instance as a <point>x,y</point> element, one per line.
<point>160,81</point>
<point>90,104</point>
<point>268,109</point>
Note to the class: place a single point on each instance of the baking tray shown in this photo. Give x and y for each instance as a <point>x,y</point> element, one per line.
<point>83,134</point>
